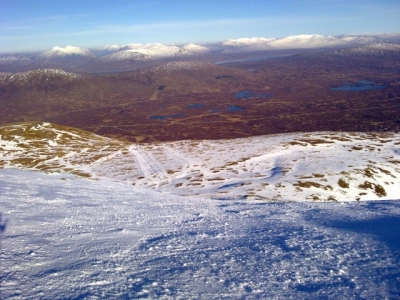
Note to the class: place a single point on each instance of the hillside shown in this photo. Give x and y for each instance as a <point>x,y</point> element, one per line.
<point>320,166</point>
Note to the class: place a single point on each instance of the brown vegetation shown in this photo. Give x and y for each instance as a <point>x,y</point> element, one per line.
<point>193,104</point>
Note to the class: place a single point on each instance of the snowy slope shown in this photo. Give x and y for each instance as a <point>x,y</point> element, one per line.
<point>72,238</point>
<point>39,74</point>
<point>130,234</point>
<point>14,59</point>
<point>247,44</point>
<point>302,166</point>
<point>306,41</point>
<point>125,55</point>
<point>153,51</point>
<point>193,49</point>
<point>372,49</point>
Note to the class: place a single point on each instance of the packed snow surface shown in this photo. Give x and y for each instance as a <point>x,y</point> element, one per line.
<point>68,237</point>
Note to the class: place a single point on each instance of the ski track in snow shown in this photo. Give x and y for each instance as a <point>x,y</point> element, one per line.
<point>73,238</point>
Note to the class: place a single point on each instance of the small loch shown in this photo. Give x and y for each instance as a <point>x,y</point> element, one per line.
<point>362,85</point>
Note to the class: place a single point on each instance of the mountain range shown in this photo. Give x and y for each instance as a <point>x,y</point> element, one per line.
<point>76,57</point>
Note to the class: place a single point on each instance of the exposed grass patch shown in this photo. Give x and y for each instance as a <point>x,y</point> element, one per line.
<point>215,179</point>
<point>367,172</point>
<point>343,184</point>
<point>81,173</point>
<point>386,172</point>
<point>304,177</point>
<point>358,148</point>
<point>315,142</point>
<point>307,184</point>
<point>26,161</point>
<point>297,144</point>
<point>341,139</point>
<point>377,188</point>
<point>319,175</point>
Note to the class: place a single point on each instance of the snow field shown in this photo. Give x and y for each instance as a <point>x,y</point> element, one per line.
<point>70,237</point>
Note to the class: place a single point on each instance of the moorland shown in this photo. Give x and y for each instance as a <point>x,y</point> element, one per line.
<point>332,90</point>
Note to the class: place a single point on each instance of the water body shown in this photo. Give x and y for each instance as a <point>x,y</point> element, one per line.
<point>162,118</point>
<point>235,108</point>
<point>224,77</point>
<point>196,105</point>
<point>230,108</point>
<point>362,85</point>
<point>252,95</point>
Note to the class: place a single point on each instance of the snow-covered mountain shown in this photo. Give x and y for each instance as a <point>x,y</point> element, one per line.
<point>125,55</point>
<point>305,41</point>
<point>371,49</point>
<point>193,49</point>
<point>303,166</point>
<point>37,79</point>
<point>68,51</point>
<point>152,51</point>
<point>46,74</point>
<point>14,59</point>
<point>155,50</point>
<point>246,44</point>
<point>137,52</point>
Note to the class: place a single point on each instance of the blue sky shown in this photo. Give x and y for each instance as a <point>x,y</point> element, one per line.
<point>32,25</point>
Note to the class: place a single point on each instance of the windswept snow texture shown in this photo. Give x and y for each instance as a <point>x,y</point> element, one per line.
<point>74,238</point>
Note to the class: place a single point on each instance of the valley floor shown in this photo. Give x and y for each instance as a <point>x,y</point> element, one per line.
<point>73,238</point>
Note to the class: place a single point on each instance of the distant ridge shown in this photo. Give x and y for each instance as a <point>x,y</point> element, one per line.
<point>82,58</point>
